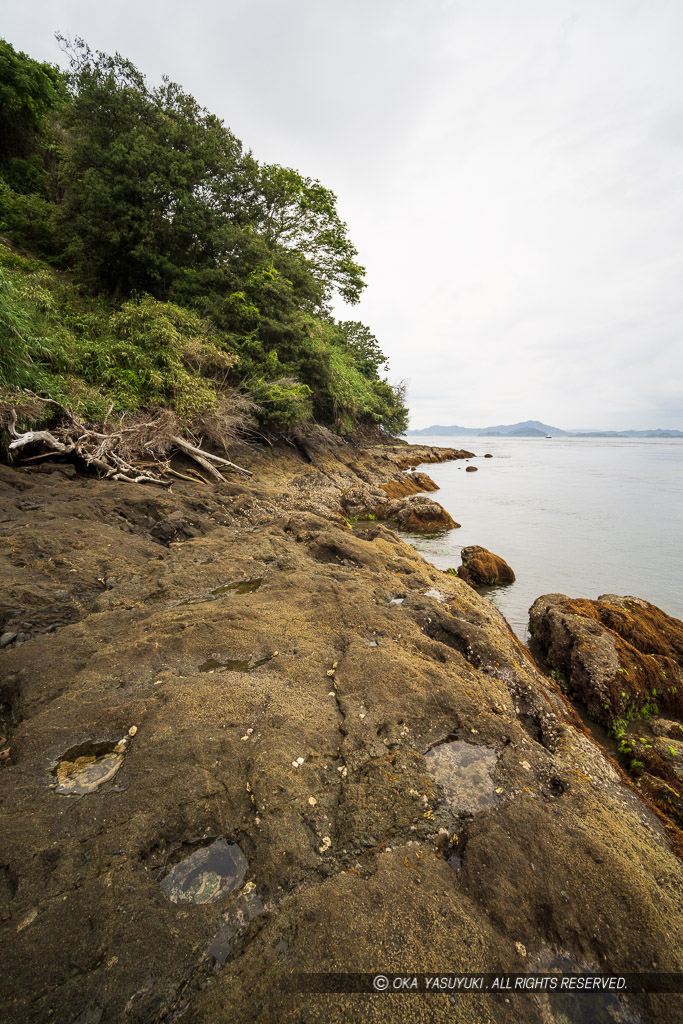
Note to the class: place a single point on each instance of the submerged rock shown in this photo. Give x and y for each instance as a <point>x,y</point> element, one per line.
<point>480,566</point>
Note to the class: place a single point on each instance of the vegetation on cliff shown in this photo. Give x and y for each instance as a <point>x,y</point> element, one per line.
<point>152,263</point>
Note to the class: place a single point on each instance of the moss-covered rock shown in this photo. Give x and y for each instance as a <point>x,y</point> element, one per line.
<point>480,566</point>
<point>622,659</point>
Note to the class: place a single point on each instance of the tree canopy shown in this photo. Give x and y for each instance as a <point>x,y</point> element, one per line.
<point>142,194</point>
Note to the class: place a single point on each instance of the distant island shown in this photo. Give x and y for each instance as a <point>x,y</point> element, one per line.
<point>534,428</point>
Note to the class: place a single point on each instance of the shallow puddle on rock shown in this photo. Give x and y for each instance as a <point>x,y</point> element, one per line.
<point>207,875</point>
<point>214,665</point>
<point>579,1007</point>
<point>463,770</point>
<point>247,907</point>
<point>241,587</point>
<point>86,767</point>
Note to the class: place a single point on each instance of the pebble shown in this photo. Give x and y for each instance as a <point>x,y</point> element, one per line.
<point>29,919</point>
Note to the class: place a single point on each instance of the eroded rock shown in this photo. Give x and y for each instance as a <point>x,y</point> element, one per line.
<point>480,566</point>
<point>352,851</point>
<point>421,515</point>
<point>622,659</point>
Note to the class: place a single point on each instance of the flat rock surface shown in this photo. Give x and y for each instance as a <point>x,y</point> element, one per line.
<point>280,678</point>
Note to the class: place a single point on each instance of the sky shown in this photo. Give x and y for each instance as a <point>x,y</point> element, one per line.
<point>511,174</point>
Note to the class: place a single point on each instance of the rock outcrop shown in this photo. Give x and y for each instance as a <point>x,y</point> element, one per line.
<point>409,483</point>
<point>418,514</point>
<point>480,566</point>
<point>338,758</point>
<point>622,659</point>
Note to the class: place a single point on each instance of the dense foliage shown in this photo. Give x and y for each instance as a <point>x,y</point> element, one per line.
<point>167,265</point>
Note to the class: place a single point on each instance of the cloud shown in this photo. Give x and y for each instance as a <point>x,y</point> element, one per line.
<point>510,174</point>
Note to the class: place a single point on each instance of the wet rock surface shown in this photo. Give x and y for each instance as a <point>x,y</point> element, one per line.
<point>622,659</point>
<point>480,566</point>
<point>207,875</point>
<point>87,766</point>
<point>316,765</point>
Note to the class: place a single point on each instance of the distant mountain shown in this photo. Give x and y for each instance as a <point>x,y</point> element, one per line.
<point>534,428</point>
<point>529,428</point>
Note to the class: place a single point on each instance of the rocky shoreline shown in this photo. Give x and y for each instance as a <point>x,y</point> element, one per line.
<point>250,732</point>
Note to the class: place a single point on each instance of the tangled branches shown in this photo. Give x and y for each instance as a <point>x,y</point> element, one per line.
<point>138,453</point>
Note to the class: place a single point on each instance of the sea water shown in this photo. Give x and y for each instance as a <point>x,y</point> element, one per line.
<point>575,516</point>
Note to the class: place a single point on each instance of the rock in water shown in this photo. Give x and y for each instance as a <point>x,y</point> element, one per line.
<point>480,566</point>
<point>422,515</point>
<point>622,659</point>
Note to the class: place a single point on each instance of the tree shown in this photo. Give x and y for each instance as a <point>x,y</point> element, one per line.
<point>30,92</point>
<point>139,177</point>
<point>159,203</point>
<point>360,341</point>
<point>300,215</point>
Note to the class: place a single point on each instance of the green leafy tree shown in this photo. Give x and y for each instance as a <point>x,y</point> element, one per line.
<point>299,214</point>
<point>212,269</point>
<point>30,93</point>
<point>139,169</point>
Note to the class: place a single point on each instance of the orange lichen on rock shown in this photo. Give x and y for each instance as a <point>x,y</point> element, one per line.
<point>622,658</point>
<point>409,483</point>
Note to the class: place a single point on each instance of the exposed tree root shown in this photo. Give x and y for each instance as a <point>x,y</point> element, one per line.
<point>118,454</point>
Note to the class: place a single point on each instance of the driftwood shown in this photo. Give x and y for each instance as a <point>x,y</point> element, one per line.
<point>206,458</point>
<point>103,450</point>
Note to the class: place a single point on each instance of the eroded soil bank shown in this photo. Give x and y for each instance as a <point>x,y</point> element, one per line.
<point>266,683</point>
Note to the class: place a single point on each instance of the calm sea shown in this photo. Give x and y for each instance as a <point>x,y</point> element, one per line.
<point>576,516</point>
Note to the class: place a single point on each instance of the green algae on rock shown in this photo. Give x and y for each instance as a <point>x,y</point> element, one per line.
<point>622,659</point>
<point>207,875</point>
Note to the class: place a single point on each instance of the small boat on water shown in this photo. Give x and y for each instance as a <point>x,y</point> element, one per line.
<point>549,435</point>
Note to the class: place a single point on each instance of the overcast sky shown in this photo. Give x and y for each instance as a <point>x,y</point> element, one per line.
<point>511,172</point>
